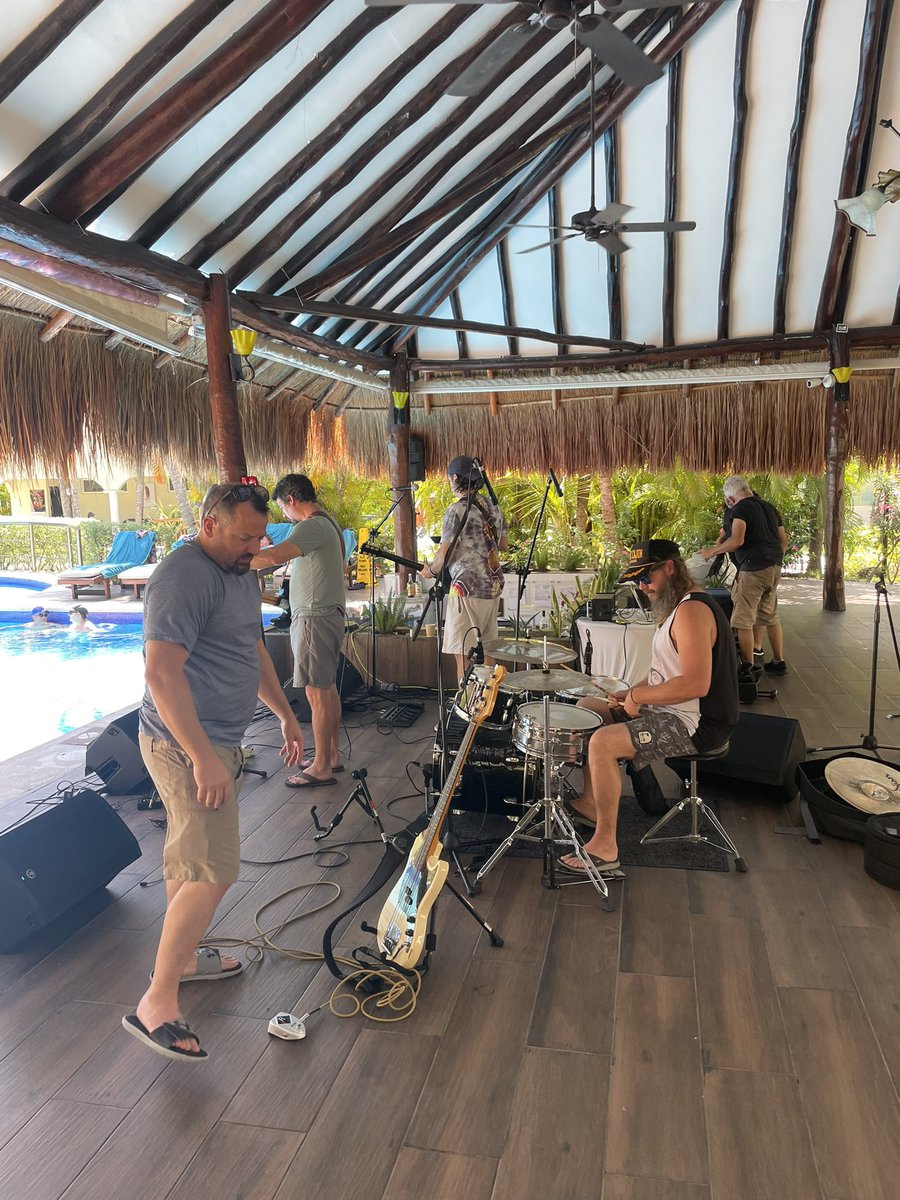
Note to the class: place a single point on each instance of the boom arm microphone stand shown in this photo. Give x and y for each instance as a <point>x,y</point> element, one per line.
<point>370,548</point>
<point>524,571</point>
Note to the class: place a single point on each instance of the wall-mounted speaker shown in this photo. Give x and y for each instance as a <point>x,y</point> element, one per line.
<point>55,859</point>
<point>416,458</point>
<point>116,756</point>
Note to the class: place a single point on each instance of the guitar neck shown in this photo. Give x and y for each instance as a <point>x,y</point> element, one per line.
<point>433,831</point>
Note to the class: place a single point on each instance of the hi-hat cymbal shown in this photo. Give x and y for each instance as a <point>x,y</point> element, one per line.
<point>527,652</point>
<point>555,680</point>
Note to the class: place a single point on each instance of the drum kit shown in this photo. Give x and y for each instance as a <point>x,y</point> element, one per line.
<point>530,739</point>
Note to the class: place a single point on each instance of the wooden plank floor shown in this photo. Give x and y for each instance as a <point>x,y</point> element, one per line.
<point>715,1037</point>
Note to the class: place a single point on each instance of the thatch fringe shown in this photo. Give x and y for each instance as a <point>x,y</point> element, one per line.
<point>71,395</point>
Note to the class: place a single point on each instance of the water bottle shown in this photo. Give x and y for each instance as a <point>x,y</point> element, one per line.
<point>588,652</point>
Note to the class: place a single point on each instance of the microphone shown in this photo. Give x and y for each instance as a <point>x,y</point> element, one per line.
<point>556,483</point>
<point>487,483</point>
<point>477,651</point>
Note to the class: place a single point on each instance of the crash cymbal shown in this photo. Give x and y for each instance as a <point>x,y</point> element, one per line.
<point>870,786</point>
<point>528,652</point>
<point>557,679</point>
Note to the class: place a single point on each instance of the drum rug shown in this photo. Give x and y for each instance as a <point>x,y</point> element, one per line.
<point>633,824</point>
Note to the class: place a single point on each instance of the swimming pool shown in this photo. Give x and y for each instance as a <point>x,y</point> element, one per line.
<point>54,682</point>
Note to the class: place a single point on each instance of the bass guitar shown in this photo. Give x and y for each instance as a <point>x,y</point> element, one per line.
<point>403,922</point>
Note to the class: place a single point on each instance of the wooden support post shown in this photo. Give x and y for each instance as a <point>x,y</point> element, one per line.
<point>230,458</point>
<point>58,321</point>
<point>835,464</point>
<point>492,397</point>
<point>398,461</point>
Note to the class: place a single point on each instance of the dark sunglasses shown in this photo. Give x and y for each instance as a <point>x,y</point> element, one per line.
<point>247,488</point>
<point>645,575</point>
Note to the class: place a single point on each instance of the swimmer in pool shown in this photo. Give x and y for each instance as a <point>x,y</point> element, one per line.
<point>78,620</point>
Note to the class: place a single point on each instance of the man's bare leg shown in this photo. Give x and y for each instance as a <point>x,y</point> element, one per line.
<point>187,918</point>
<point>745,641</point>
<point>325,704</point>
<point>606,748</point>
<point>776,641</point>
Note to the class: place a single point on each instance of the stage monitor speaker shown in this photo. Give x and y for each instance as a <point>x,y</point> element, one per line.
<point>763,750</point>
<point>350,685</point>
<point>55,859</point>
<point>116,756</point>
<point>416,459</point>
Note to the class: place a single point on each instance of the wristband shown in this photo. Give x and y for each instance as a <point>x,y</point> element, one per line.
<point>632,699</point>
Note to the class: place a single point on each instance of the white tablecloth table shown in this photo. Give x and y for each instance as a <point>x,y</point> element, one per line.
<point>619,650</point>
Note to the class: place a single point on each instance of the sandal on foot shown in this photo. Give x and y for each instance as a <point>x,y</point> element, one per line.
<point>209,966</point>
<point>601,864</point>
<point>162,1040</point>
<point>305,780</point>
<point>304,766</point>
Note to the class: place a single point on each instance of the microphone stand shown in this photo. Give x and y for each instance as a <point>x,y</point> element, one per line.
<point>370,548</point>
<point>524,571</point>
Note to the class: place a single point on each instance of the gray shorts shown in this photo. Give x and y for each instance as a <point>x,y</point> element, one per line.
<point>655,734</point>
<point>316,643</point>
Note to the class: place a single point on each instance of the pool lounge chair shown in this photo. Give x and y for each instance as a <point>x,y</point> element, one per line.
<point>130,548</point>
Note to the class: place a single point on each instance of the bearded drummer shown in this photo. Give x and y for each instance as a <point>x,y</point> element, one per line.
<point>688,704</point>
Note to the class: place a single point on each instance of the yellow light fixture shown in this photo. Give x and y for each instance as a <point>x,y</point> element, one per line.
<point>243,341</point>
<point>842,374</point>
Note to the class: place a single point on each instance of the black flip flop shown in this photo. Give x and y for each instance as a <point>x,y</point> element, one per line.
<point>600,863</point>
<point>162,1040</point>
<point>310,781</point>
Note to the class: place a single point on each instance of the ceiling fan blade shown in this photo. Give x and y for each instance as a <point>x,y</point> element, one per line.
<point>620,6</point>
<point>611,243</point>
<point>611,215</point>
<point>618,51</point>
<point>540,246</point>
<point>479,74</point>
<point>525,225</point>
<point>655,226</point>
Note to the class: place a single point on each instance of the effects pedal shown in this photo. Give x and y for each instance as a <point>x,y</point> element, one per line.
<point>286,1025</point>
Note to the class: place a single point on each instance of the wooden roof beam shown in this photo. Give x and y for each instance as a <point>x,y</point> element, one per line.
<point>506,293</point>
<point>613,261</point>
<point>853,157</point>
<point>556,270</point>
<point>670,240</point>
<point>444,134</point>
<point>287,175</point>
<point>57,322</point>
<point>498,169</point>
<point>736,161</point>
<point>462,347</point>
<point>123,156</point>
<point>792,170</point>
<point>71,137</point>
<point>41,42</point>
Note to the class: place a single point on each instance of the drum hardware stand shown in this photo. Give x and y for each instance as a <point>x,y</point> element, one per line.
<point>868,741</point>
<point>361,796</point>
<point>557,827</point>
<point>525,570</point>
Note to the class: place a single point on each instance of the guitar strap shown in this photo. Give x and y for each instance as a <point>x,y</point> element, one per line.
<point>395,854</point>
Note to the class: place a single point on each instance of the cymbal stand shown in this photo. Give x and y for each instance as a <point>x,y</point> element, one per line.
<point>525,570</point>
<point>369,548</point>
<point>548,814</point>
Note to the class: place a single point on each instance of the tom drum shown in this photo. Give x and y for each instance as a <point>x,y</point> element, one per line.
<point>570,729</point>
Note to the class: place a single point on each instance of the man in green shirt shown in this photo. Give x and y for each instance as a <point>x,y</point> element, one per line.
<point>317,599</point>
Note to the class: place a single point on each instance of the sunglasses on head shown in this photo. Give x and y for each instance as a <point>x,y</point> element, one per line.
<point>245,490</point>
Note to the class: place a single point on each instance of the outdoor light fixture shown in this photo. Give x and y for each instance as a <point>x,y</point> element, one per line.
<point>243,341</point>
<point>860,210</point>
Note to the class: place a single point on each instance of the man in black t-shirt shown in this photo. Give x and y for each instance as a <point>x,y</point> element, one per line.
<point>757,539</point>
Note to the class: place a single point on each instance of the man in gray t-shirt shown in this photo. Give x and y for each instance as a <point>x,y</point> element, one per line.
<point>315,548</point>
<point>206,663</point>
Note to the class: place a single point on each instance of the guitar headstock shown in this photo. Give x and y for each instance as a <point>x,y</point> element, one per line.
<point>488,697</point>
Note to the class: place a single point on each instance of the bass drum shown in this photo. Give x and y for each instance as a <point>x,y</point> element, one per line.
<point>496,778</point>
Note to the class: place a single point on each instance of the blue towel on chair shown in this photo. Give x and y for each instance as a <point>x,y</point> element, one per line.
<point>130,548</point>
<point>278,531</point>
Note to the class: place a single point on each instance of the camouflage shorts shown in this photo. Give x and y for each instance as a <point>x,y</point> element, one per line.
<point>657,734</point>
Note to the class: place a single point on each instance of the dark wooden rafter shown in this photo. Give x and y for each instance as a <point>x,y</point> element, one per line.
<point>804,343</point>
<point>506,295</point>
<point>853,158</point>
<point>613,261</point>
<point>259,125</point>
<point>499,169</point>
<point>398,268</point>
<point>442,135</point>
<point>231,459</point>
<point>462,347</point>
<point>290,383</point>
<point>794,157</point>
<point>554,207</point>
<point>71,137</point>
<point>896,317</point>
<point>736,161</point>
<point>41,42</point>
<point>128,152</point>
<point>107,263</point>
<point>567,152</point>
<point>298,164</point>
<point>353,312</point>
<point>837,422</point>
<point>670,240</point>
<point>865,160</point>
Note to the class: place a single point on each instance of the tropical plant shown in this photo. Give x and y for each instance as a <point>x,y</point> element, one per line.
<point>390,613</point>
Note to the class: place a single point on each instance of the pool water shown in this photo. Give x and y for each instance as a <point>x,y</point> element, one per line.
<point>52,682</point>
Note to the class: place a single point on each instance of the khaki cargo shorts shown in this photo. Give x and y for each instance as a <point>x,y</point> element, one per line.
<point>202,844</point>
<point>755,597</point>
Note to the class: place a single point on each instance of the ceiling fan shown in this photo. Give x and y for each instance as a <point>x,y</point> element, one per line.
<point>606,42</point>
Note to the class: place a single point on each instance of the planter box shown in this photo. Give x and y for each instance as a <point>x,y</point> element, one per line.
<point>400,660</point>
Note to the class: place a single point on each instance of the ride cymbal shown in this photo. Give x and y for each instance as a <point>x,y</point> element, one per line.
<point>528,652</point>
<point>555,680</point>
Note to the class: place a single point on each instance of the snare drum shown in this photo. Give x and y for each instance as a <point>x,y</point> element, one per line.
<point>570,730</point>
<point>466,705</point>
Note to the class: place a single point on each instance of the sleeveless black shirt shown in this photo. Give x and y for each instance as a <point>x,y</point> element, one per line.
<point>719,709</point>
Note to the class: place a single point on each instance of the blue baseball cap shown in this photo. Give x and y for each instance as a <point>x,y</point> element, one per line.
<point>38,608</point>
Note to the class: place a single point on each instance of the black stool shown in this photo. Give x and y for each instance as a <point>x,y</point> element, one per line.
<point>699,811</point>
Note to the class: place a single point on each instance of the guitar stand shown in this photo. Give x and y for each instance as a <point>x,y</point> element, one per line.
<point>361,796</point>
